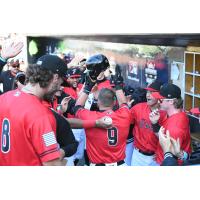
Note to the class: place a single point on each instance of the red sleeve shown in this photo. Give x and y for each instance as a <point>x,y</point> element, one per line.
<point>163,116</point>
<point>43,138</point>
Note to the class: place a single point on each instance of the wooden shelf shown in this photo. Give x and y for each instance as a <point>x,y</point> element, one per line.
<point>197,63</point>
<point>189,93</point>
<point>191,73</point>
<point>189,62</point>
<point>188,102</point>
<point>192,81</point>
<point>196,101</point>
<point>197,85</point>
<point>189,83</point>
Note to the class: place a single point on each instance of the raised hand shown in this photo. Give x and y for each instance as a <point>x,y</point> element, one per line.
<point>64,104</point>
<point>89,84</point>
<point>154,116</point>
<point>11,49</point>
<point>175,148</point>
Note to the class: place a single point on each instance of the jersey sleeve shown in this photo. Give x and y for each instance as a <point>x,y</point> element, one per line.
<point>43,138</point>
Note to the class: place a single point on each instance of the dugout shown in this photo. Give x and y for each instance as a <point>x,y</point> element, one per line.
<point>143,57</point>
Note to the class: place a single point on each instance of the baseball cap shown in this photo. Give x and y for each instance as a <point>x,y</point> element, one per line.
<point>195,111</point>
<point>154,87</point>
<point>168,91</point>
<point>73,72</point>
<point>53,63</point>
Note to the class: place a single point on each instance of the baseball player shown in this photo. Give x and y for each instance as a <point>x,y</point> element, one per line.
<point>134,96</point>
<point>73,86</point>
<point>145,141</point>
<point>28,127</point>
<point>71,142</point>
<point>177,122</point>
<point>106,147</point>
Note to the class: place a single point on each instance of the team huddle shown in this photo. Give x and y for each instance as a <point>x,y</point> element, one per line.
<point>58,115</point>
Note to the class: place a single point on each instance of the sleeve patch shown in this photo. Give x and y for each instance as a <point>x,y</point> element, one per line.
<point>49,139</point>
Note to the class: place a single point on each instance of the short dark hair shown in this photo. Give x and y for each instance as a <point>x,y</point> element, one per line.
<point>106,97</point>
<point>178,103</point>
<point>36,74</point>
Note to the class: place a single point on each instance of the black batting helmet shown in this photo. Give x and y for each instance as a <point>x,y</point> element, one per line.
<point>97,64</point>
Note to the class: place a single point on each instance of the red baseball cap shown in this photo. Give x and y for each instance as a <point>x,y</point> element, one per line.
<point>195,111</point>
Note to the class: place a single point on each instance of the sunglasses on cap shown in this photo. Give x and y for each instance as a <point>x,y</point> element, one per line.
<point>161,100</point>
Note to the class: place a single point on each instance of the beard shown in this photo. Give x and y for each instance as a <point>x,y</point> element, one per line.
<point>50,95</point>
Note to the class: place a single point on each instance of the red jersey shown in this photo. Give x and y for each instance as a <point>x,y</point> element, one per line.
<point>178,126</point>
<point>107,145</point>
<point>144,137</point>
<point>28,130</point>
<point>73,92</point>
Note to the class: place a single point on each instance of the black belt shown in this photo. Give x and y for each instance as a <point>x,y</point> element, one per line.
<point>121,162</point>
<point>146,153</point>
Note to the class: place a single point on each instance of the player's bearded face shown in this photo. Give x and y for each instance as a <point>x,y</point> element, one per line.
<point>52,89</point>
<point>73,82</point>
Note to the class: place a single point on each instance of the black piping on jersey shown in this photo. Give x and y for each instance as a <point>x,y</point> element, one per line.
<point>76,108</point>
<point>48,152</point>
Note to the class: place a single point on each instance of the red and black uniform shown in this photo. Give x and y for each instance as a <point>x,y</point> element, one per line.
<point>178,127</point>
<point>64,134</point>
<point>28,130</point>
<point>107,145</point>
<point>144,137</point>
<point>73,92</point>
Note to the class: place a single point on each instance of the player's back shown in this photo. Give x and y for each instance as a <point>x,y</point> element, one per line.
<point>19,116</point>
<point>107,145</point>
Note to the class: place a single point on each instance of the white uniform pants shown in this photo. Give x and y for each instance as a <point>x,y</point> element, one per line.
<point>139,159</point>
<point>129,152</point>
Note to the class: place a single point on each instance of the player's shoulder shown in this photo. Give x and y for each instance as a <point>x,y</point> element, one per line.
<point>9,94</point>
<point>140,106</point>
<point>4,73</point>
<point>123,109</point>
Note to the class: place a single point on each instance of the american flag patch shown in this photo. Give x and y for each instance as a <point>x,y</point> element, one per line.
<point>49,139</point>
